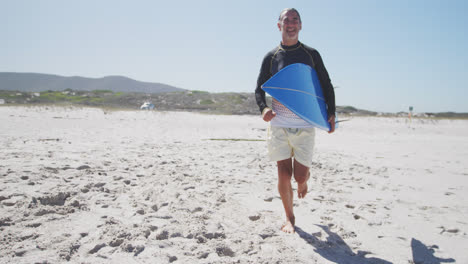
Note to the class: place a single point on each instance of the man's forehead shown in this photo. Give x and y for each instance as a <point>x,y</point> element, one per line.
<point>290,14</point>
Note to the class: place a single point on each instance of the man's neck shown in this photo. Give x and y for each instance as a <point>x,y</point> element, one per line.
<point>289,42</point>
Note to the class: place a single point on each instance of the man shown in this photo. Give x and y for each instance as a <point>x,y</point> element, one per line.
<point>290,138</point>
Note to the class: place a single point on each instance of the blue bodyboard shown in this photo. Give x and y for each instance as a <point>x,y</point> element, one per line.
<point>298,88</point>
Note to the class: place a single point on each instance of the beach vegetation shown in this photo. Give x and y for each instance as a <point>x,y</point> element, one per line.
<point>206,102</point>
<point>236,98</point>
<point>192,101</point>
<point>102,92</point>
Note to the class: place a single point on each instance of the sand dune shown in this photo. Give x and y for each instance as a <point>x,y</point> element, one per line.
<point>89,186</point>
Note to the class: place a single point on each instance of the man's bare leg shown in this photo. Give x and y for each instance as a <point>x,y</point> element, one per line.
<point>285,171</point>
<point>301,175</point>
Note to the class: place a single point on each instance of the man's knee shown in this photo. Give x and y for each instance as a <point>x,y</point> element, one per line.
<point>301,172</point>
<point>301,177</point>
<point>285,169</point>
<point>285,173</point>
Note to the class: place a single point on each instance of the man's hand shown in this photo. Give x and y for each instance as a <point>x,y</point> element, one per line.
<point>331,120</point>
<point>268,114</point>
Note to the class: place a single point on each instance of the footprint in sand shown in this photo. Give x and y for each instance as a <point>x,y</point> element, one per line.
<point>225,251</point>
<point>97,247</point>
<point>254,217</point>
<point>449,230</point>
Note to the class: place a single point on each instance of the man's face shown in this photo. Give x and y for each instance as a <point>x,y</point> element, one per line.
<point>290,25</point>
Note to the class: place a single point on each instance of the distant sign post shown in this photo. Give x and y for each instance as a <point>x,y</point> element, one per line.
<point>410,113</point>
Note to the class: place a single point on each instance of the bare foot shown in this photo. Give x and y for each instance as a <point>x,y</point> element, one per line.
<point>288,227</point>
<point>302,188</point>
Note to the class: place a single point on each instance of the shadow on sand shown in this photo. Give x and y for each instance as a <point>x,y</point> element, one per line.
<point>424,254</point>
<point>336,250</point>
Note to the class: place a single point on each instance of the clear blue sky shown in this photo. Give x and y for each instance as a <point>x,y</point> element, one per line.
<point>382,55</point>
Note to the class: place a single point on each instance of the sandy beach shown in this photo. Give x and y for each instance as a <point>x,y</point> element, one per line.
<point>85,185</point>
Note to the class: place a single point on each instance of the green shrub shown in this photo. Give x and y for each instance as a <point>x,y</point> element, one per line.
<point>206,102</point>
<point>102,91</point>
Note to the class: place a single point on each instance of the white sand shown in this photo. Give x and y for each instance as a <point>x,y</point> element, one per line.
<point>149,187</point>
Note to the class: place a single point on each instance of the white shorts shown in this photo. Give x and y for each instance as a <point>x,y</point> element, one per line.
<point>285,143</point>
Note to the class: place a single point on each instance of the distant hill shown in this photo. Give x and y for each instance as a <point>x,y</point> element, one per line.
<point>38,82</point>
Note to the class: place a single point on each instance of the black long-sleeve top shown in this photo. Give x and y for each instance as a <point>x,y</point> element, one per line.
<point>283,56</point>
